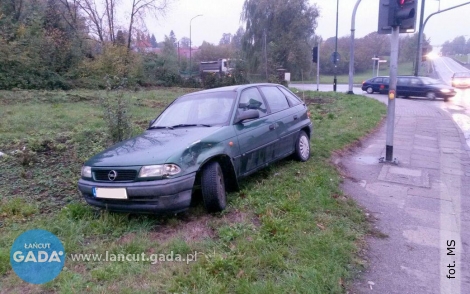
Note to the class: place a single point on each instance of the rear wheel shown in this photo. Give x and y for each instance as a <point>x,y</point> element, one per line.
<point>213,187</point>
<point>431,95</point>
<point>369,90</point>
<point>302,147</point>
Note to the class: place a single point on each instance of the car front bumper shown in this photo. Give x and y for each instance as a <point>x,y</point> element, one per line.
<point>159,196</point>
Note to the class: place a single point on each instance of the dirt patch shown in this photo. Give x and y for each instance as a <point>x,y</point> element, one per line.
<point>200,227</point>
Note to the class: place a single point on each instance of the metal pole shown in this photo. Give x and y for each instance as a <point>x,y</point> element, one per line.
<point>378,65</point>
<point>336,46</point>
<point>391,96</point>
<point>424,24</point>
<point>373,67</point>
<point>190,47</point>
<point>265,56</point>
<point>420,39</point>
<point>351,49</point>
<point>318,65</point>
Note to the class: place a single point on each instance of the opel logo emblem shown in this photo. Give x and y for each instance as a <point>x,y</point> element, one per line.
<point>112,175</point>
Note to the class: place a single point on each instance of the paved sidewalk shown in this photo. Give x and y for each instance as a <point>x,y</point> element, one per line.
<point>422,204</point>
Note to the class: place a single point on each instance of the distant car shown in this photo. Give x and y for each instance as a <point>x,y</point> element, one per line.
<point>376,85</point>
<point>207,141</point>
<point>461,79</point>
<point>409,86</point>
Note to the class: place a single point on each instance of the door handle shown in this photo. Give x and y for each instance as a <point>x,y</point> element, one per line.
<point>272,127</point>
<point>295,117</point>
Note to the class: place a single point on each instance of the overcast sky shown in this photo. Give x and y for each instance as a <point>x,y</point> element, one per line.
<point>223,16</point>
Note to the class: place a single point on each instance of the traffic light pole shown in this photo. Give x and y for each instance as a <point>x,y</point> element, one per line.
<point>420,34</point>
<point>391,97</point>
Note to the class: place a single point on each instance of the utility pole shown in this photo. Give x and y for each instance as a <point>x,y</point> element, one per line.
<point>351,49</point>
<point>394,40</point>
<point>335,58</point>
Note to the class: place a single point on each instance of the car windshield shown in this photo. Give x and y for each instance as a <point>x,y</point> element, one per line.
<point>462,75</point>
<point>204,109</point>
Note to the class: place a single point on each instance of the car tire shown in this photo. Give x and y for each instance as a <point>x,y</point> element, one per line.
<point>213,187</point>
<point>369,90</point>
<point>446,99</point>
<point>302,147</point>
<point>431,95</point>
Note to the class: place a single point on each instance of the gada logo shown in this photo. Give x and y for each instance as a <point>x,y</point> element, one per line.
<point>42,256</point>
<point>37,256</point>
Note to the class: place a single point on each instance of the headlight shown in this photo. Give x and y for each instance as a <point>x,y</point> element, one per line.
<point>445,90</point>
<point>86,171</point>
<point>159,170</point>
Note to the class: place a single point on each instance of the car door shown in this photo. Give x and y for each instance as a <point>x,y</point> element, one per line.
<point>285,119</point>
<point>403,85</point>
<point>257,138</point>
<point>416,87</point>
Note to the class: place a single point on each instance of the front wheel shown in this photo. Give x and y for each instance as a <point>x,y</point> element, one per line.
<point>369,90</point>
<point>431,95</point>
<point>302,147</point>
<point>213,187</point>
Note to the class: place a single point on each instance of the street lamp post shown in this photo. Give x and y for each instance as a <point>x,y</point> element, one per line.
<point>336,47</point>
<point>190,47</point>
<point>373,64</point>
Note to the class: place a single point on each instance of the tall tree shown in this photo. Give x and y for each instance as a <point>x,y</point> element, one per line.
<point>138,10</point>
<point>153,41</point>
<point>281,30</point>
<point>184,42</point>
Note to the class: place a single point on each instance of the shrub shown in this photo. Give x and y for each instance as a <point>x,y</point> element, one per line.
<point>116,109</point>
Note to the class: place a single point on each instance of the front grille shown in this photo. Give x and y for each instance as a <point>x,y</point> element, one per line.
<point>123,175</point>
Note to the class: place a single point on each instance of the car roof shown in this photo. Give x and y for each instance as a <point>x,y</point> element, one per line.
<point>462,74</point>
<point>235,88</point>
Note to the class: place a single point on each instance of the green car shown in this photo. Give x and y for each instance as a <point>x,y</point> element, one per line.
<point>206,140</point>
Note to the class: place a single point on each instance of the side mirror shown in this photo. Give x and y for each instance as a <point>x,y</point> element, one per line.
<point>151,122</point>
<point>247,114</point>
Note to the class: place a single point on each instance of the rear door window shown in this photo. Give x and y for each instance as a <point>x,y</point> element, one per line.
<point>293,100</point>
<point>276,99</point>
<point>403,81</point>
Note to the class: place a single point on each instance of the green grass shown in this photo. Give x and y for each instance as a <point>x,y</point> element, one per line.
<point>289,229</point>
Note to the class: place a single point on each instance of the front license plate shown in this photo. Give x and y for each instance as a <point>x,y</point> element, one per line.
<point>110,193</point>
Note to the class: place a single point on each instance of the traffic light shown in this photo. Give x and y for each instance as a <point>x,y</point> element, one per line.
<point>315,54</point>
<point>403,13</point>
<point>394,13</point>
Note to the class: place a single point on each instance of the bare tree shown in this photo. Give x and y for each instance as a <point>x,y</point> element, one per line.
<point>95,18</point>
<point>140,7</point>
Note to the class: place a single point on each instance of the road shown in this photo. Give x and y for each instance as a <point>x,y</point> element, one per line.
<point>458,107</point>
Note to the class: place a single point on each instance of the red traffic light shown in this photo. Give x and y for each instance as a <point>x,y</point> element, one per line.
<point>401,2</point>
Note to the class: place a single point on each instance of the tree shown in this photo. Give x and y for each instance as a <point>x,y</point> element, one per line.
<point>153,41</point>
<point>237,39</point>
<point>172,37</point>
<point>281,30</point>
<point>184,42</point>
<point>226,39</point>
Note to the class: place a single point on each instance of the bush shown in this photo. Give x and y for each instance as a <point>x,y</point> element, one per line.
<point>116,110</point>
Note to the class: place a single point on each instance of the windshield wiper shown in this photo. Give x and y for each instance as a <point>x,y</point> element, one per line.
<point>159,127</point>
<point>190,125</point>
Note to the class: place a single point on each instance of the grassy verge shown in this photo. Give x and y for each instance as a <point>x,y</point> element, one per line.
<point>289,229</point>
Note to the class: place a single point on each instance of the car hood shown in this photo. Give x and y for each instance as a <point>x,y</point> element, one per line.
<point>152,147</point>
